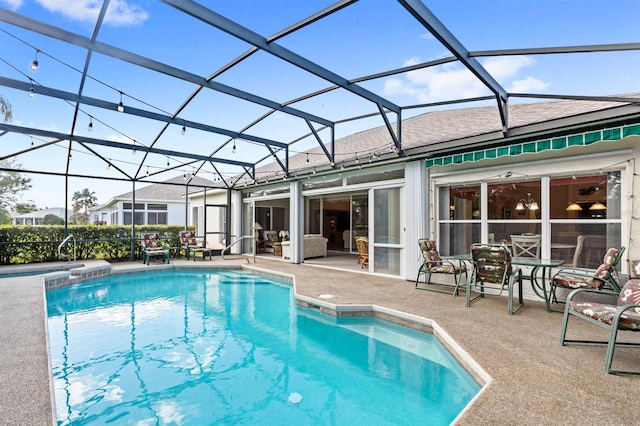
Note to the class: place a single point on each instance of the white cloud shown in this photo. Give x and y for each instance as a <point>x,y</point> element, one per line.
<point>452,80</point>
<point>12,4</point>
<point>527,85</point>
<point>120,12</point>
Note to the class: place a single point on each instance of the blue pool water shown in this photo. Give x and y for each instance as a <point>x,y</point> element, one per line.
<point>228,347</point>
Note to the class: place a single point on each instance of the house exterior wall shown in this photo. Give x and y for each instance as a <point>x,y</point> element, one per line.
<point>113,213</point>
<point>599,159</point>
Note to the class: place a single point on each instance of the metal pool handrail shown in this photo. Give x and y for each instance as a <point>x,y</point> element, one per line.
<point>64,242</point>
<point>236,242</point>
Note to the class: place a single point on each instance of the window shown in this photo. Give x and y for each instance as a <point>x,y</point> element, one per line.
<point>587,206</point>
<point>156,218</point>
<point>460,213</point>
<point>139,218</point>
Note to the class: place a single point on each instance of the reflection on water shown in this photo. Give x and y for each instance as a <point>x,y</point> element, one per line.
<point>192,347</point>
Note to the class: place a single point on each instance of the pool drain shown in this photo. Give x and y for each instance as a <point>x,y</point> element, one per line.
<point>295,398</point>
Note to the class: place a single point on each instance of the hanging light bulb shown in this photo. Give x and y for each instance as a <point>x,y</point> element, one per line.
<point>147,171</point>
<point>233,150</point>
<point>167,161</point>
<point>90,127</point>
<point>32,90</point>
<point>184,130</point>
<point>307,157</point>
<point>31,141</point>
<point>34,65</point>
<point>120,105</point>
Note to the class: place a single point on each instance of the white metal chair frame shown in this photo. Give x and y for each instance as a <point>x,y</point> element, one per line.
<point>526,245</point>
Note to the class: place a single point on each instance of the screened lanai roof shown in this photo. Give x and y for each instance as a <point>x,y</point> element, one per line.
<point>230,90</point>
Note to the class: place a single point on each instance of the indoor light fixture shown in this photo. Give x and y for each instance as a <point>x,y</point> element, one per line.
<point>598,206</point>
<point>34,65</point>
<point>529,203</point>
<point>573,207</point>
<point>120,105</point>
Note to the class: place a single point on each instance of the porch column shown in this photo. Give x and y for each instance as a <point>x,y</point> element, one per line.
<point>296,221</point>
<point>416,177</point>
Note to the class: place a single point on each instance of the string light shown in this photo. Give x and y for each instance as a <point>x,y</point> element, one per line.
<point>184,130</point>
<point>307,157</point>
<point>233,150</point>
<point>34,65</point>
<point>120,105</point>
<point>31,141</point>
<point>147,171</point>
<point>32,90</point>
<point>167,161</point>
<point>90,127</point>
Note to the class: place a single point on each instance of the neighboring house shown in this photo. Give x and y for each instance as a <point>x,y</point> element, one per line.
<point>156,204</point>
<point>35,218</point>
<point>565,169</point>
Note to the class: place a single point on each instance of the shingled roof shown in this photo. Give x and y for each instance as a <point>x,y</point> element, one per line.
<point>172,191</point>
<point>451,128</point>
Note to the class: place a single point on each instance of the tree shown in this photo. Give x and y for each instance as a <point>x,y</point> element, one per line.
<point>52,219</point>
<point>5,109</point>
<point>11,183</point>
<point>5,218</point>
<point>82,202</point>
<point>26,207</point>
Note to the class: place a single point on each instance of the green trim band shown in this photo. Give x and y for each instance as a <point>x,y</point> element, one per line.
<point>533,147</point>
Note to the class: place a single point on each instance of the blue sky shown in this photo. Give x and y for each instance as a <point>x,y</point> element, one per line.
<point>368,37</point>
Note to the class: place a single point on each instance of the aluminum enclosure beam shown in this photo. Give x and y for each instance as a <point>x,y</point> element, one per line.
<point>132,58</point>
<point>85,100</point>
<point>120,145</point>
<point>218,21</point>
<point>442,33</point>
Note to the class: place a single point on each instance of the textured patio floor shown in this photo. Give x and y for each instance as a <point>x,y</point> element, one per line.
<point>535,380</point>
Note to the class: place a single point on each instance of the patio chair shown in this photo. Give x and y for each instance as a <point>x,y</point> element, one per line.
<point>622,314</point>
<point>605,277</point>
<point>578,251</point>
<point>190,244</point>
<point>492,269</point>
<point>526,245</point>
<point>363,251</point>
<point>152,247</point>
<point>432,263</point>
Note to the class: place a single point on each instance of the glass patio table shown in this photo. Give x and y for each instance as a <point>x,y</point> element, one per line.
<point>538,280</point>
<point>536,265</point>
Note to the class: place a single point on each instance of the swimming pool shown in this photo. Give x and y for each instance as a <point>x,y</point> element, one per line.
<point>230,347</point>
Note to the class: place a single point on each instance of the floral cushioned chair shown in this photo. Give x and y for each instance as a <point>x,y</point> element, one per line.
<point>492,269</point>
<point>190,244</point>
<point>152,247</point>
<point>623,313</point>
<point>606,276</point>
<point>432,263</point>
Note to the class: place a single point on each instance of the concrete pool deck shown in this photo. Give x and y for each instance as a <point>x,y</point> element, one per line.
<point>534,379</point>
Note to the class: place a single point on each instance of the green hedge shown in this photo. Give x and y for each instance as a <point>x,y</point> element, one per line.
<point>31,244</point>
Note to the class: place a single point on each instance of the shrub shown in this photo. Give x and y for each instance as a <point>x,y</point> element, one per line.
<point>30,244</point>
